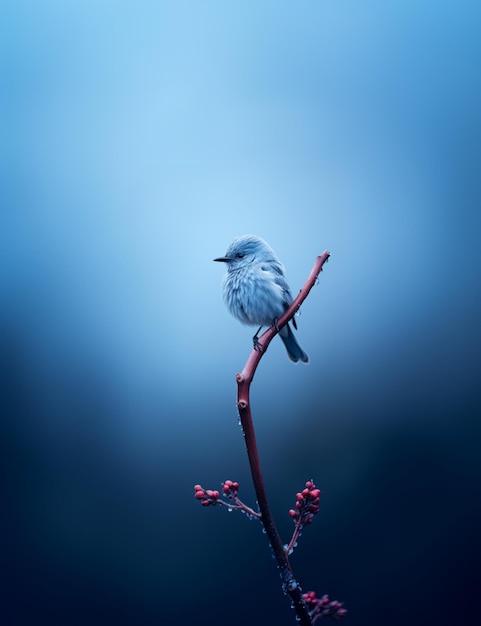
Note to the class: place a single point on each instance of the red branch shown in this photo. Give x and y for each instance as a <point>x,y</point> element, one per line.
<point>244,381</point>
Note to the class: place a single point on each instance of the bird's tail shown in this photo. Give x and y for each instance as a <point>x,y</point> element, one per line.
<point>294,350</point>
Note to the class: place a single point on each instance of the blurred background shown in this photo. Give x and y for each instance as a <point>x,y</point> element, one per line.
<point>138,139</point>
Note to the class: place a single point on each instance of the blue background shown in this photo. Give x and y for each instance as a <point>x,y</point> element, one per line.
<point>139,138</point>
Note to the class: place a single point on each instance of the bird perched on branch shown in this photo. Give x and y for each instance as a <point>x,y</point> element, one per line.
<point>256,291</point>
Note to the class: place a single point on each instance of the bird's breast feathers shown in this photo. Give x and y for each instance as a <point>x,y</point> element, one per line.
<point>254,295</point>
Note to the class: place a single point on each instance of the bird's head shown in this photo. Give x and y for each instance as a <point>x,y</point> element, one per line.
<point>246,249</point>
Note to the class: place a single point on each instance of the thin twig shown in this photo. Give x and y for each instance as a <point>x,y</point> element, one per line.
<point>295,537</point>
<point>244,381</point>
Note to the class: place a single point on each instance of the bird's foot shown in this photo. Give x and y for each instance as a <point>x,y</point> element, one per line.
<point>257,344</point>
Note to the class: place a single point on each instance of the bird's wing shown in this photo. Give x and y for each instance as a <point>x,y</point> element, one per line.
<point>278,274</point>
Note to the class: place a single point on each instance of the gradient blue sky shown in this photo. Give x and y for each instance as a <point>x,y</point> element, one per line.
<point>139,138</point>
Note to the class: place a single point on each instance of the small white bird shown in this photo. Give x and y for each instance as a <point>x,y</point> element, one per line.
<point>255,289</point>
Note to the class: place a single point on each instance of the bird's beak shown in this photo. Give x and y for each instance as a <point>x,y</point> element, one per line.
<point>223,259</point>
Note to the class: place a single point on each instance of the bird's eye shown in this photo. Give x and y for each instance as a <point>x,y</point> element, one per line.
<point>240,255</point>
